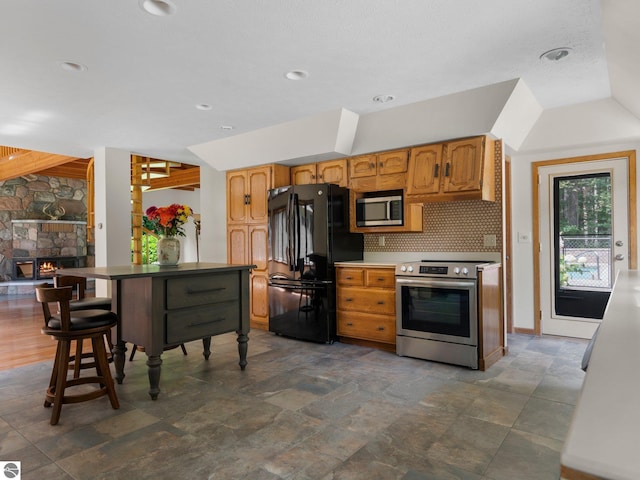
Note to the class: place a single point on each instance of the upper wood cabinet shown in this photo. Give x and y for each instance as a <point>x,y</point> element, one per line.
<point>379,171</point>
<point>332,171</point>
<point>247,192</point>
<point>457,170</point>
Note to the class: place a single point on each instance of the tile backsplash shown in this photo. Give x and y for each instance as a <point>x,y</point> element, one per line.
<point>451,226</point>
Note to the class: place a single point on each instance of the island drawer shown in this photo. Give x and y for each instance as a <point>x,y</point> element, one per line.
<point>194,323</point>
<point>201,290</point>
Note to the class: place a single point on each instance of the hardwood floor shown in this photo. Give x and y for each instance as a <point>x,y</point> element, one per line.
<point>21,342</point>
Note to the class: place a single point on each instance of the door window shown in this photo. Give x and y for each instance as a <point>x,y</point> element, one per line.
<point>582,244</point>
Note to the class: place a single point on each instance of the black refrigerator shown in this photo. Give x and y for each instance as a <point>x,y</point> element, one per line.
<point>308,233</point>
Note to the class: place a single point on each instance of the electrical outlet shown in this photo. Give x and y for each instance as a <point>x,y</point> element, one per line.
<point>489,240</point>
<point>381,241</point>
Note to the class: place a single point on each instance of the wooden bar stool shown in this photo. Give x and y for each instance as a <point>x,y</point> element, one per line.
<point>66,328</point>
<point>80,301</point>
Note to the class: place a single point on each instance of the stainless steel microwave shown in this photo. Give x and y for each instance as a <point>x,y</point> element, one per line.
<point>379,211</point>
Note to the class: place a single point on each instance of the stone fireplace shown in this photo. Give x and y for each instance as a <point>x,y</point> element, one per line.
<point>42,246</point>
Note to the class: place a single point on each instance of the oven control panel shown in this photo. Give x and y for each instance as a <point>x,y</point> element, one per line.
<point>452,269</point>
<point>429,270</point>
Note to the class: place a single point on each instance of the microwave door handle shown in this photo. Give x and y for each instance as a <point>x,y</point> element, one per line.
<point>388,210</point>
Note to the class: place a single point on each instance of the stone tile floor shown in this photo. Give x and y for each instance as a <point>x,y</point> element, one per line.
<point>305,411</point>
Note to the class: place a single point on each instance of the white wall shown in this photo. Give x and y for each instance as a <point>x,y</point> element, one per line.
<point>162,198</point>
<point>213,198</point>
<point>585,129</point>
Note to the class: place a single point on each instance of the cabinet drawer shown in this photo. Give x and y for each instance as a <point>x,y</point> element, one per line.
<point>350,276</point>
<point>380,277</point>
<point>204,321</point>
<point>373,300</point>
<point>193,291</point>
<point>379,328</point>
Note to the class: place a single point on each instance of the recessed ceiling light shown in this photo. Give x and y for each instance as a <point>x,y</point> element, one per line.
<point>160,8</point>
<point>556,54</point>
<point>297,75</point>
<point>204,106</point>
<point>73,67</point>
<point>226,127</point>
<point>383,98</point>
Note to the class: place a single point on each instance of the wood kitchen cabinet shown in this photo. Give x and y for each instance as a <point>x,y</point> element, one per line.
<point>247,192</point>
<point>457,170</point>
<point>332,171</point>
<point>491,341</point>
<point>366,306</point>
<point>248,230</point>
<point>379,171</point>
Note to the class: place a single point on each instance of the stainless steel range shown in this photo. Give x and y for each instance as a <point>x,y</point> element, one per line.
<point>437,311</point>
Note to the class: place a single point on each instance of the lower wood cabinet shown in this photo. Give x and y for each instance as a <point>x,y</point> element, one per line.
<point>366,304</point>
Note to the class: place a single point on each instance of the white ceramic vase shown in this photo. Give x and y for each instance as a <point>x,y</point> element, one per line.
<point>168,249</point>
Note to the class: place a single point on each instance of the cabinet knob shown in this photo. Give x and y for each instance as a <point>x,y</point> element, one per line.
<point>349,278</point>
<point>372,165</point>
<point>380,302</point>
<point>381,329</point>
<point>436,170</point>
<point>320,177</point>
<point>348,299</point>
<point>380,165</point>
<point>349,324</point>
<point>447,168</point>
<point>380,279</point>
<point>313,177</point>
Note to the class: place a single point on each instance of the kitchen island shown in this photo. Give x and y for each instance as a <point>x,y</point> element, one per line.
<point>163,306</point>
<point>604,434</point>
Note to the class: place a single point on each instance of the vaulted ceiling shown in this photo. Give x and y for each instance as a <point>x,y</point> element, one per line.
<point>86,74</point>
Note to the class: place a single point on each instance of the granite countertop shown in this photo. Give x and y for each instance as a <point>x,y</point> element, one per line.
<point>133,271</point>
<point>604,434</point>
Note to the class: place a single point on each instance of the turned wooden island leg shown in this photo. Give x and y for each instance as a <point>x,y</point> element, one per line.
<point>119,350</point>
<point>243,338</point>
<point>154,363</point>
<point>206,345</point>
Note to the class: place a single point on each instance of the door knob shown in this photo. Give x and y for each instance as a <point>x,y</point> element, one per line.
<point>619,243</point>
<point>619,257</point>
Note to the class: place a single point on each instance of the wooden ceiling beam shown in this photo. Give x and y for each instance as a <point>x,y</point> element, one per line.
<point>31,162</point>
<point>179,178</point>
<point>76,170</point>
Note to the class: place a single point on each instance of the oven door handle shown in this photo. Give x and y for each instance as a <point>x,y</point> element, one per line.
<point>427,282</point>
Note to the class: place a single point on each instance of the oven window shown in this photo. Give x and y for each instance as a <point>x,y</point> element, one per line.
<point>436,310</point>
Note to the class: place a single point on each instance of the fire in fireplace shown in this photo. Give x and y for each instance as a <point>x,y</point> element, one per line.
<point>44,268</point>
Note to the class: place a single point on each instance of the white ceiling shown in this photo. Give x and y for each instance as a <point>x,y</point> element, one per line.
<point>146,74</point>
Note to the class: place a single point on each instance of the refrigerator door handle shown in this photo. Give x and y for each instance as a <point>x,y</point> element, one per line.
<point>289,225</point>
<point>297,231</point>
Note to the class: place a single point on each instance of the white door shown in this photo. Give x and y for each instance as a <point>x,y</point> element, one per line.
<point>578,262</point>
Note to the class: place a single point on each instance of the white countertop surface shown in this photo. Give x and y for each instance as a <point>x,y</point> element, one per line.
<point>604,435</point>
<point>365,263</point>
